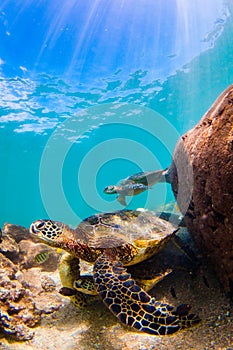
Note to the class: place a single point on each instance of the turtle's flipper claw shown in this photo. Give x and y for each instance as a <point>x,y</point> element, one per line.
<point>128,302</point>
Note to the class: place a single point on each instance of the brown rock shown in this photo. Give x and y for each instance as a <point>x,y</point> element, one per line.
<point>24,296</point>
<point>28,252</point>
<point>202,181</point>
<point>17,309</point>
<point>16,231</point>
<point>17,245</point>
<point>9,247</point>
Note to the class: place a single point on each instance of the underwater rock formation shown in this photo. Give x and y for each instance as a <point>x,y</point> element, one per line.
<point>25,294</point>
<point>202,181</point>
<point>23,249</point>
<point>17,310</point>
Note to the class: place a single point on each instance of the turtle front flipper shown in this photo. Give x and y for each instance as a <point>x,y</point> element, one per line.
<point>130,303</point>
<point>148,284</point>
<point>69,271</point>
<point>121,199</point>
<point>85,284</point>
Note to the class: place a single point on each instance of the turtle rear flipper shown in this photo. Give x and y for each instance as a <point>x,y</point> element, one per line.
<point>85,284</point>
<point>130,303</point>
<point>69,270</point>
<point>148,284</point>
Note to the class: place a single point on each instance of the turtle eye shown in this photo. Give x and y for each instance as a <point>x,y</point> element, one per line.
<point>40,225</point>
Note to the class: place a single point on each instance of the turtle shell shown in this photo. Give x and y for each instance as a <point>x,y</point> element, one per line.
<point>138,228</point>
<point>148,178</point>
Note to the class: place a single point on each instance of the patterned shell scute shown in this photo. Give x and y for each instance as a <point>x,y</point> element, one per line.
<point>114,229</point>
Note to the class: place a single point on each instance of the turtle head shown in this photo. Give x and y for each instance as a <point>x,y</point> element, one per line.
<point>47,231</point>
<point>111,189</point>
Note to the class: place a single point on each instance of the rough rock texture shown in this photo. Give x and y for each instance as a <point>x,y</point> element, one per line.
<point>25,294</point>
<point>202,181</point>
<point>22,248</point>
<point>17,310</point>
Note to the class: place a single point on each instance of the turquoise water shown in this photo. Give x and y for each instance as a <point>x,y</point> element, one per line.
<point>66,133</point>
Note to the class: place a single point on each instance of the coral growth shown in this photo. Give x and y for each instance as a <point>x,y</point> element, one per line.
<point>24,295</point>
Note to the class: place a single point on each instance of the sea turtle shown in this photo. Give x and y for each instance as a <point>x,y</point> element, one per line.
<point>130,189</point>
<point>111,241</point>
<point>137,183</point>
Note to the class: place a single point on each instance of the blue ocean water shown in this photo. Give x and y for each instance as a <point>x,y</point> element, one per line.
<point>94,92</point>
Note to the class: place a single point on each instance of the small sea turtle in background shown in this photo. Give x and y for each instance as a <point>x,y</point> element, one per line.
<point>129,189</point>
<point>111,241</point>
<point>137,183</point>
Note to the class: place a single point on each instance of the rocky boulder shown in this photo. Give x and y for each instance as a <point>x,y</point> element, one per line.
<point>202,181</point>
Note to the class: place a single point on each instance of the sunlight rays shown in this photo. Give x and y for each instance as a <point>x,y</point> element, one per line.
<point>98,37</point>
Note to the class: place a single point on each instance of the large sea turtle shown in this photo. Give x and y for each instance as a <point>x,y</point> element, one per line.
<point>137,183</point>
<point>111,241</point>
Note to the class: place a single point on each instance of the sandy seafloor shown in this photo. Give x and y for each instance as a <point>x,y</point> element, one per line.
<point>96,328</point>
